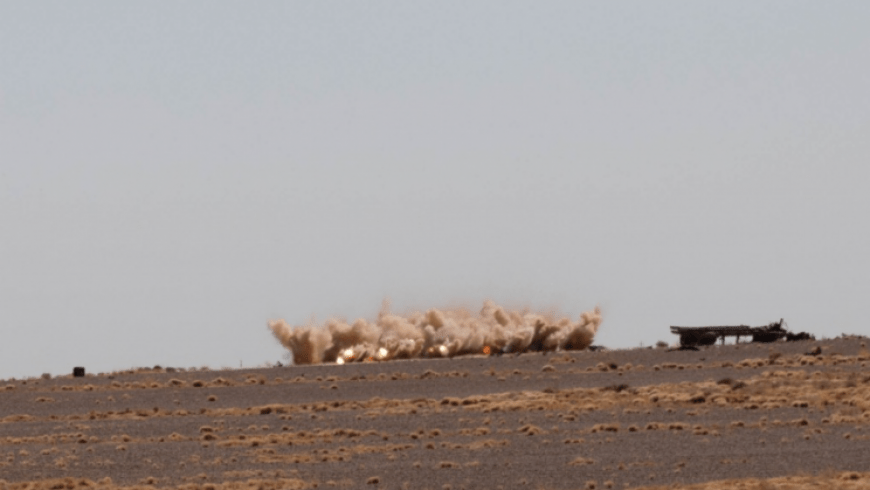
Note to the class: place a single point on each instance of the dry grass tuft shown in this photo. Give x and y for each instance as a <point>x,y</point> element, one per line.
<point>581,461</point>
<point>531,430</point>
<point>604,428</point>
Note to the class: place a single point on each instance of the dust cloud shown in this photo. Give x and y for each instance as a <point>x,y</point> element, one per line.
<point>435,333</point>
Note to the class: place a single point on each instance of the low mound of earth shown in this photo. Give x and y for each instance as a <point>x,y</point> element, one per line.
<point>778,415</point>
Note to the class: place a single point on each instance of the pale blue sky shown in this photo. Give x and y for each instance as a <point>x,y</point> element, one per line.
<point>175,174</point>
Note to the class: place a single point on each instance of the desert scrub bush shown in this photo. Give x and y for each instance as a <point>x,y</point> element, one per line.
<point>581,461</point>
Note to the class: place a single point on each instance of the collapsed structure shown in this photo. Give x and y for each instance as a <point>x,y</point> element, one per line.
<point>436,333</point>
<point>695,336</point>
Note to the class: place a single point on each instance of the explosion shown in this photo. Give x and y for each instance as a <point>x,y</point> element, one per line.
<point>436,333</point>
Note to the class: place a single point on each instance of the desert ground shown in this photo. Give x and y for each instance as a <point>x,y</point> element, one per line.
<point>780,415</point>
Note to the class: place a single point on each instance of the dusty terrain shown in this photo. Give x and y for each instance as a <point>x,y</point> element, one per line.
<point>755,415</point>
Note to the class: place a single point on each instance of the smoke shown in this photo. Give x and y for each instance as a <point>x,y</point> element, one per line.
<point>435,333</point>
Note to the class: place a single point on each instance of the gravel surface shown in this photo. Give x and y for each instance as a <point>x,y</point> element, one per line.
<point>465,422</point>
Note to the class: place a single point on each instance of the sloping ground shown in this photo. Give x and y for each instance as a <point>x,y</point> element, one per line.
<point>615,419</point>
<point>836,481</point>
<point>849,480</point>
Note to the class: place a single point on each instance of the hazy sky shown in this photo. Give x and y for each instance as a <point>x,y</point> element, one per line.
<point>175,174</point>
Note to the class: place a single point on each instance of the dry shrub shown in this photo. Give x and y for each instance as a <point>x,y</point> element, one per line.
<point>17,418</point>
<point>530,430</point>
<point>604,428</point>
<point>581,461</point>
<point>450,401</point>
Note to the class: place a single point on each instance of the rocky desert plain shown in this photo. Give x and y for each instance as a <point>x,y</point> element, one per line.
<point>789,415</point>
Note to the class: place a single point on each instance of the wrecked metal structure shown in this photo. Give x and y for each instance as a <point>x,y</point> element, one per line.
<point>696,336</point>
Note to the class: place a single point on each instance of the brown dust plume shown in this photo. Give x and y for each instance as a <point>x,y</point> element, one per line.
<point>436,333</point>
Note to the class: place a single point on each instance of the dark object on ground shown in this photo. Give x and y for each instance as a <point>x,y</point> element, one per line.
<point>695,336</point>
<point>596,348</point>
<point>737,385</point>
<point>791,337</point>
<point>769,333</point>
<point>617,388</point>
<point>767,337</point>
<point>683,347</point>
<point>78,372</point>
<point>815,352</point>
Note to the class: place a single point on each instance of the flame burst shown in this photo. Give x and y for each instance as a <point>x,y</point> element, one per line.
<point>436,333</point>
